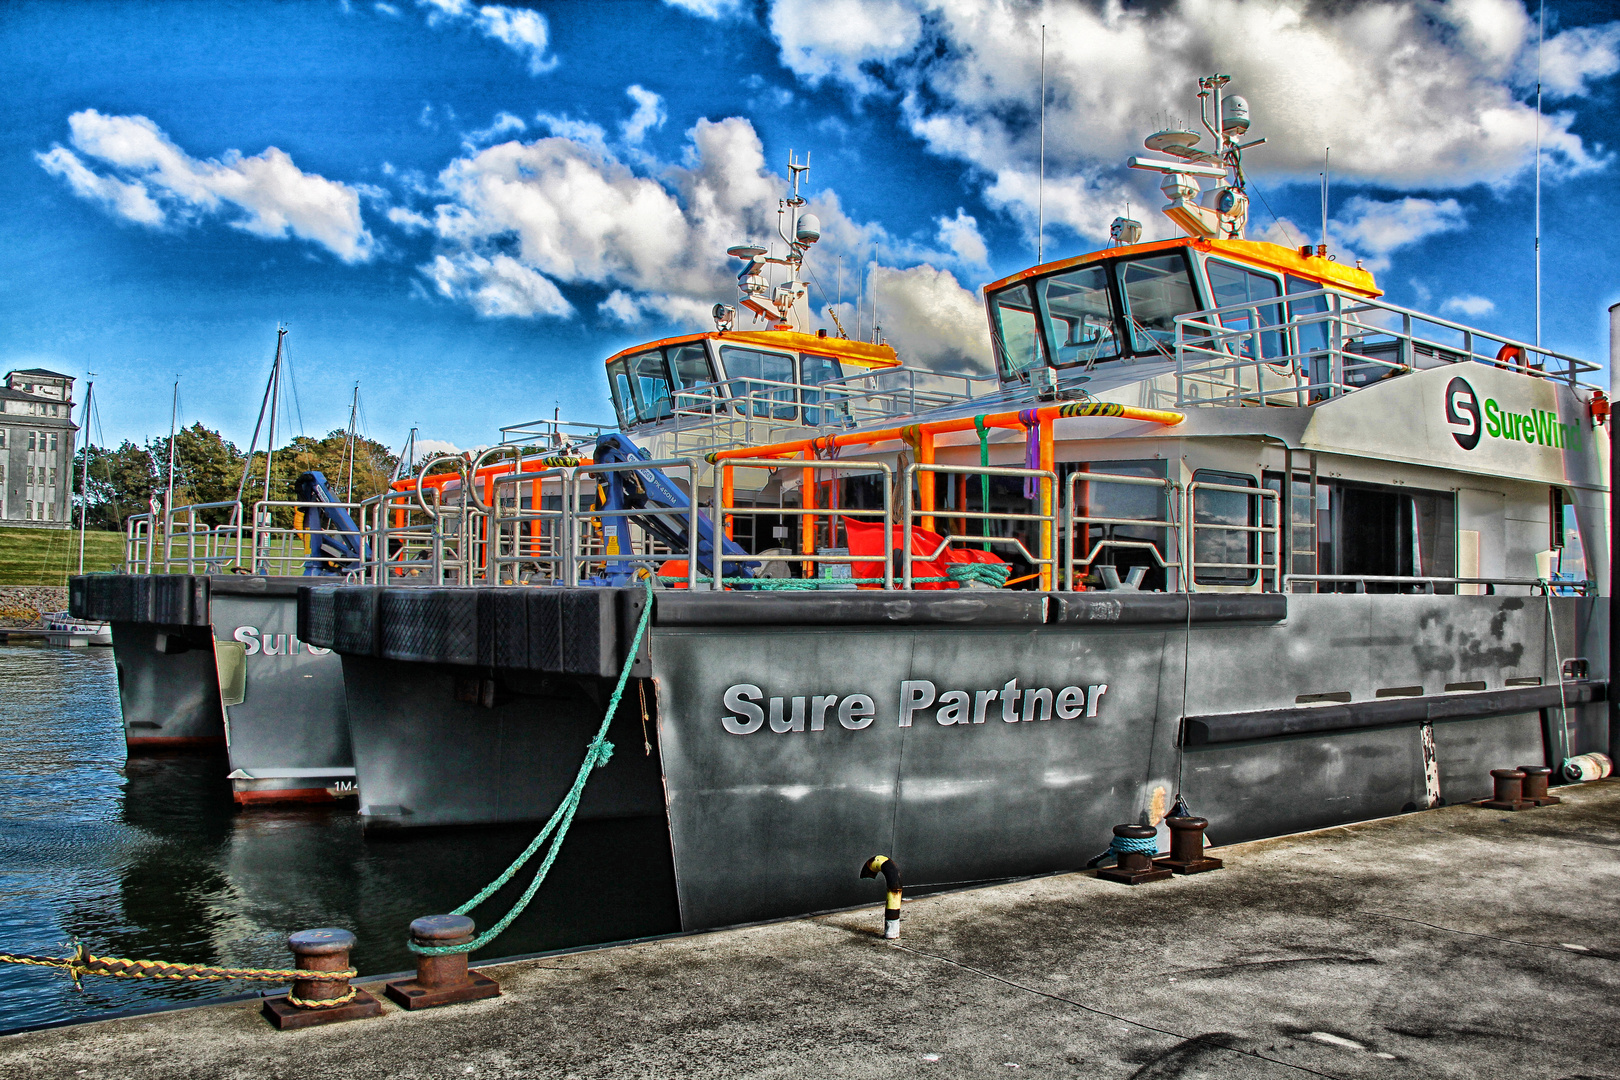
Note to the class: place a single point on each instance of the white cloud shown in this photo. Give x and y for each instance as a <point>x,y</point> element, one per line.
<point>1409,94</point>
<point>1379,228</point>
<point>504,123</point>
<point>519,219</point>
<point>938,324</point>
<point>708,9</point>
<point>265,194</point>
<point>431,448</point>
<point>1575,57</point>
<point>649,114</point>
<point>127,199</point>
<point>409,220</point>
<point>523,31</point>
<point>496,287</point>
<point>834,38</point>
<point>1470,305</point>
<point>386,9</point>
<point>961,236</point>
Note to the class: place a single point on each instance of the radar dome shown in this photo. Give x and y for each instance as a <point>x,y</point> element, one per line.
<point>809,229</point>
<point>1234,115</point>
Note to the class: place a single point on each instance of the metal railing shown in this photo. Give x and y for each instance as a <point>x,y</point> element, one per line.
<point>1045,563</point>
<point>1078,526</point>
<point>643,546</point>
<point>1258,531</point>
<point>1247,354</point>
<point>1426,585</point>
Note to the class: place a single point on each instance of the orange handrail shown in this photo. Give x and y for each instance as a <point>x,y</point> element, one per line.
<point>1045,415</point>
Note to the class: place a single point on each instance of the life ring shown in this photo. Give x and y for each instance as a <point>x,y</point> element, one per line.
<point>1512,354</point>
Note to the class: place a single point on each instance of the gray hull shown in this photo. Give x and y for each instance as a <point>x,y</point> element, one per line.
<point>215,661</point>
<point>773,803</point>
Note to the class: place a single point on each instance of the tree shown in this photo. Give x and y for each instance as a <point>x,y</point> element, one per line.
<point>122,482</point>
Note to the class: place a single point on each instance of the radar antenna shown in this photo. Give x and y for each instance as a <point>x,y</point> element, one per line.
<point>1225,212</point>
<point>775,304</point>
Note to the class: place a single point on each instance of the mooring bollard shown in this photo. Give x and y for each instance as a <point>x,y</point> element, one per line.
<point>891,879</point>
<point>1133,849</point>
<point>320,1001</point>
<point>442,978</point>
<point>1536,778</point>
<point>1509,791</point>
<point>1187,847</point>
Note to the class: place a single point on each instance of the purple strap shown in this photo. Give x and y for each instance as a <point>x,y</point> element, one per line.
<point>1032,449</point>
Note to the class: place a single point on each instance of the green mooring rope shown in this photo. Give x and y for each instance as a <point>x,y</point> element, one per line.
<point>596,756</point>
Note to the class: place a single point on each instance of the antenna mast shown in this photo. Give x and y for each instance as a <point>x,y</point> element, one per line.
<point>84,484</point>
<point>775,303</point>
<point>1326,151</point>
<point>1540,38</point>
<point>1040,185</point>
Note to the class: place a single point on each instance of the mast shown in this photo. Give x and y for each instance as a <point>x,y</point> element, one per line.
<point>174,414</point>
<point>275,398</point>
<point>1540,38</point>
<point>84,484</point>
<point>354,408</point>
<point>1040,184</point>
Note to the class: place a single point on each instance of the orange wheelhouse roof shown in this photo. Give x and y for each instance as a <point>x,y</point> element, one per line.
<point>860,353</point>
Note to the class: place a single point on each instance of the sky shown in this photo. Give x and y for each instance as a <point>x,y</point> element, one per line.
<point>466,208</point>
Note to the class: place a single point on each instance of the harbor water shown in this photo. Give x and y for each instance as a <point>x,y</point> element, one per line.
<point>150,858</point>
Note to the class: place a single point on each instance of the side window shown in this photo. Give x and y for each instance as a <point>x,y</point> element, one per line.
<point>1156,290</point>
<point>1224,548</point>
<point>1237,285</point>
<point>649,379</point>
<point>751,373</point>
<point>1570,559</point>
<point>1012,326</point>
<point>816,370</point>
<point>619,386</point>
<point>1079,316</point>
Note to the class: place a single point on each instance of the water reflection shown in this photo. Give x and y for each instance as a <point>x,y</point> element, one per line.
<point>152,859</point>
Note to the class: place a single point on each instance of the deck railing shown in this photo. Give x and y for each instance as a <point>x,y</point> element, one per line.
<point>1331,344</point>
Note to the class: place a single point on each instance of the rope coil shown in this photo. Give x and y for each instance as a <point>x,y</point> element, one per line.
<point>1126,845</point>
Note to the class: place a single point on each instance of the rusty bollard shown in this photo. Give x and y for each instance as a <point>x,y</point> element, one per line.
<point>442,979</point>
<point>323,1001</point>
<point>1187,847</point>
<point>1536,778</point>
<point>1133,849</point>
<point>1509,791</point>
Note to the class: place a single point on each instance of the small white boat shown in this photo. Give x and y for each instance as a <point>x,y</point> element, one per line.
<point>61,628</point>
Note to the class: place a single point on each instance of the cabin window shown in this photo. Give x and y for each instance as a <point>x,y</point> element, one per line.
<point>1311,339</point>
<point>1238,285</point>
<point>1120,542</point>
<point>619,386</point>
<point>1079,317</point>
<point>690,365</point>
<point>751,373</point>
<point>649,379</point>
<point>1224,555</point>
<point>1156,290</point>
<point>1569,560</point>
<point>1012,326</point>
<point>1379,530</point>
<point>816,370</point>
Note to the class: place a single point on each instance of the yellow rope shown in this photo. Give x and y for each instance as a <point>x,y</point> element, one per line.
<point>330,1003</point>
<point>82,963</point>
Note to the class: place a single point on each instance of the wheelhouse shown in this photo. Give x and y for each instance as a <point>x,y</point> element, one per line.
<point>775,374</point>
<point>1120,305</point>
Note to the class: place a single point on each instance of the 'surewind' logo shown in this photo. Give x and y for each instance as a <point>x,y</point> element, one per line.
<point>1462,413</point>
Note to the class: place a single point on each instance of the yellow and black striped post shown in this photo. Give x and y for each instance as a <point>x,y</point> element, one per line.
<point>882,864</point>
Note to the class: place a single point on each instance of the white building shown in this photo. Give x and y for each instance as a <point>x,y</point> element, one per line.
<point>36,449</point>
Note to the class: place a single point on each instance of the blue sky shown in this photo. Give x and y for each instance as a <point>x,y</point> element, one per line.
<point>466,207</point>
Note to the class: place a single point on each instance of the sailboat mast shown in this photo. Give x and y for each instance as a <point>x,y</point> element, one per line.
<point>174,414</point>
<point>84,482</point>
<point>354,409</point>
<point>275,398</point>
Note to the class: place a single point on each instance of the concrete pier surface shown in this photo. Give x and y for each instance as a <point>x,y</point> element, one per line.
<point>1457,942</point>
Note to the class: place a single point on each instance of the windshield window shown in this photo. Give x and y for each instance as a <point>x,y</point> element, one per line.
<point>766,367</point>
<point>690,365</point>
<point>650,381</point>
<point>619,387</point>
<point>1079,317</point>
<point>1236,285</point>
<point>1156,290</point>
<point>1012,321</point>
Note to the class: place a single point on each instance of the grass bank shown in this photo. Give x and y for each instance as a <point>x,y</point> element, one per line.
<point>49,556</point>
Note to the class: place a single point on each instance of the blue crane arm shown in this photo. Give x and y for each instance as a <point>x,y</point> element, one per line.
<point>637,489</point>
<point>335,546</point>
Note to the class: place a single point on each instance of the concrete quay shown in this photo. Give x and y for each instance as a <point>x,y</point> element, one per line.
<point>1457,942</point>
